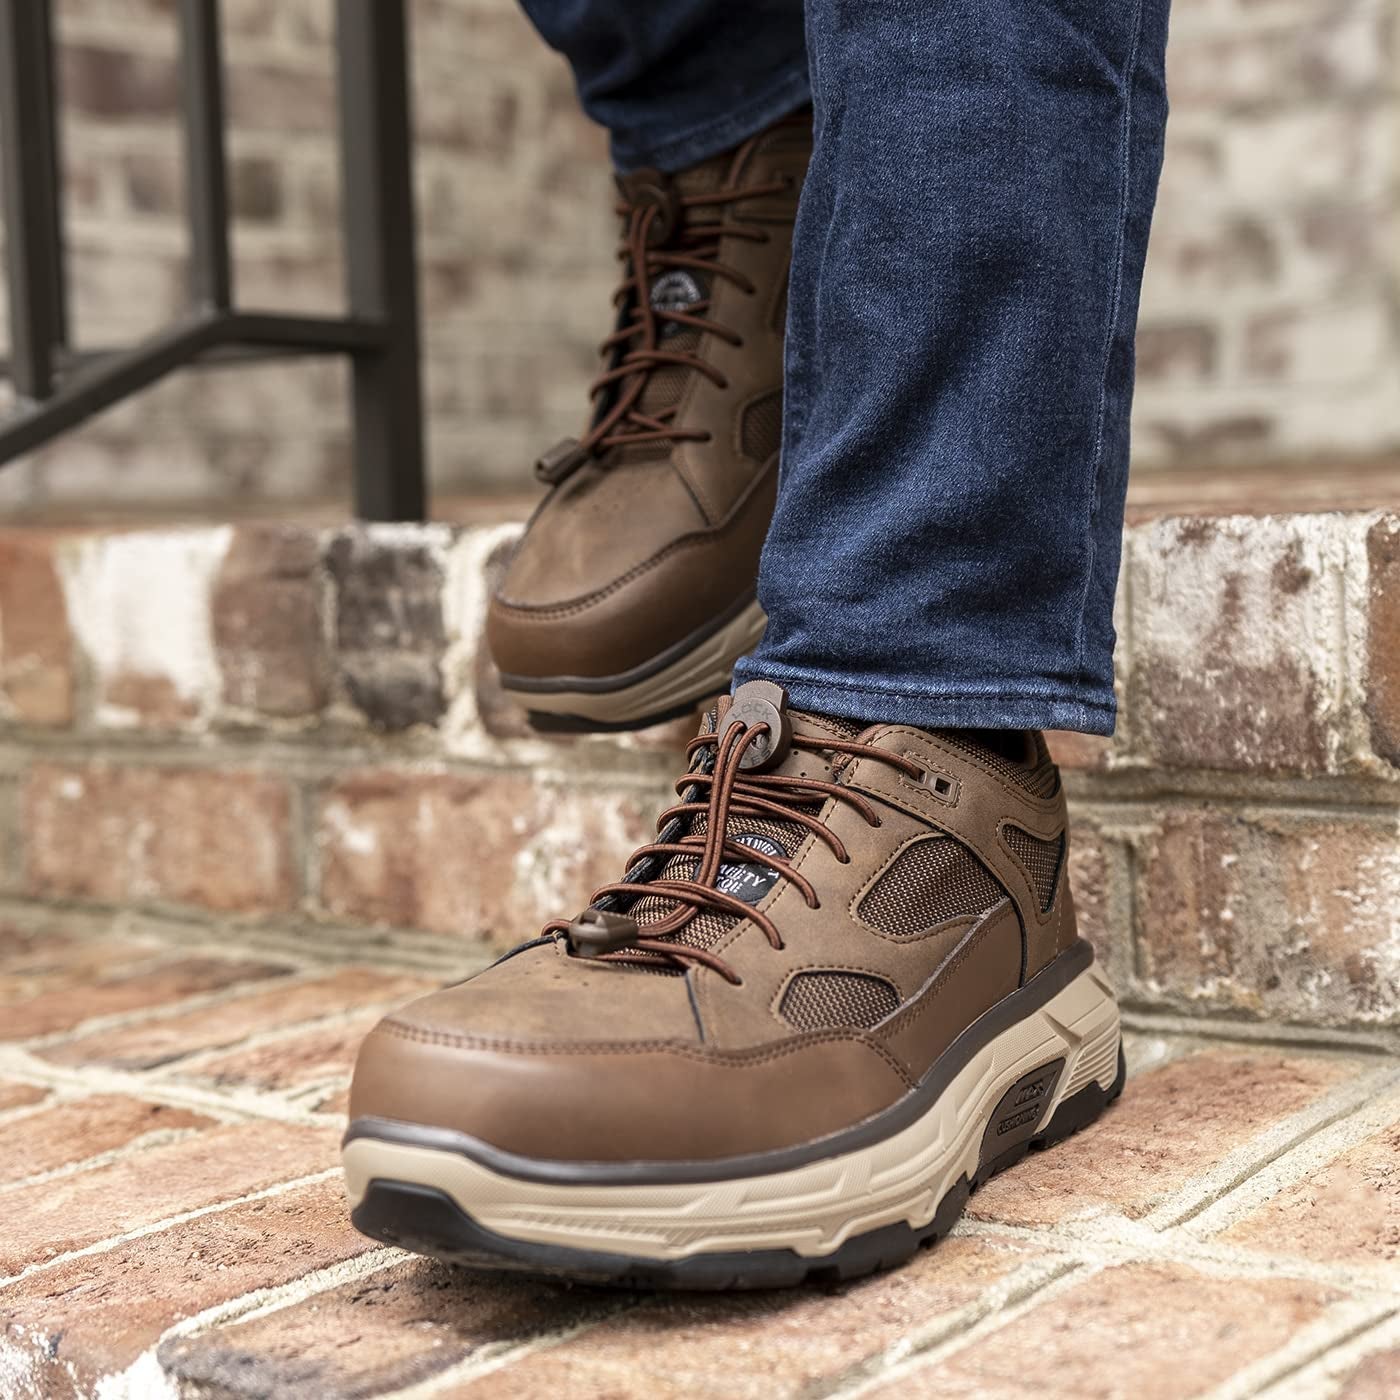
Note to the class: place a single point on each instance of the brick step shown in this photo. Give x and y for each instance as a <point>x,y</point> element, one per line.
<point>298,727</point>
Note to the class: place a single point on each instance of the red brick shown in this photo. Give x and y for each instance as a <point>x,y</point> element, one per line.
<point>154,699</point>
<point>1180,352</point>
<point>153,181</point>
<point>1088,752</point>
<point>34,960</point>
<point>115,84</point>
<point>336,1103</point>
<point>764,1346</point>
<point>281,1006</point>
<point>221,1164</point>
<point>256,192</point>
<point>73,1131</point>
<point>1235,627</point>
<point>281,100</point>
<point>45,997</point>
<point>320,1057</point>
<point>1149,1331</point>
<point>390,632</point>
<point>139,604</point>
<point>1099,879</point>
<point>36,647</point>
<point>91,1317</point>
<point>1383,637</point>
<point>265,612</point>
<point>16,1095</point>
<point>1170,1125</point>
<point>488,856</point>
<point>1347,1210</point>
<point>118,834</point>
<point>1373,1378</point>
<point>1288,916</point>
<point>375,1335</point>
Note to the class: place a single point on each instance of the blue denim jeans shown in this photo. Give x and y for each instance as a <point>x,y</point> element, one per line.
<point>964,292</point>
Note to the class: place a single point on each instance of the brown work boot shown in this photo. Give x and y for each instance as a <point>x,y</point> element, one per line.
<point>843,988</point>
<point>631,595</point>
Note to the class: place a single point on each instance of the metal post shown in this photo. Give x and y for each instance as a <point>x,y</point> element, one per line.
<point>28,153</point>
<point>202,96</point>
<point>377,192</point>
<point>48,114</point>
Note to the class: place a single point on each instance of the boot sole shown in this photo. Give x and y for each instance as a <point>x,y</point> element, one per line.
<point>667,686</point>
<point>1031,1084</point>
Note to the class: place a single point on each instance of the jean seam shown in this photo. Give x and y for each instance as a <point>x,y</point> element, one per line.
<point>1062,697</point>
<point>733,127</point>
<point>1115,310</point>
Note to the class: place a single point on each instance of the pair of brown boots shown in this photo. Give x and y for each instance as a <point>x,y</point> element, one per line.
<point>844,985</point>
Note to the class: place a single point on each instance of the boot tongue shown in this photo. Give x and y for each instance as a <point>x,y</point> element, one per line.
<point>748,880</point>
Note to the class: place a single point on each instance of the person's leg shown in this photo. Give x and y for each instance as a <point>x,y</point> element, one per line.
<point>845,985</point>
<point>960,360</point>
<point>678,81</point>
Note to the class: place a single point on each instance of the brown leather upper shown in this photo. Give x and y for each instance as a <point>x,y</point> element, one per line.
<point>653,537</point>
<point>553,1055</point>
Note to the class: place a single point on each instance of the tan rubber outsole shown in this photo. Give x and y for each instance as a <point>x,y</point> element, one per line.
<point>810,1210</point>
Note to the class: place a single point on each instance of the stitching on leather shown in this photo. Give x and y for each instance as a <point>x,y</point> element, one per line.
<point>721,1058</point>
<point>539,612</point>
<point>917,757</point>
<point>914,1012</point>
<point>899,850</point>
<point>1018,795</point>
<point>889,1057</point>
<point>927,808</point>
<point>830,967</point>
<point>1042,916</point>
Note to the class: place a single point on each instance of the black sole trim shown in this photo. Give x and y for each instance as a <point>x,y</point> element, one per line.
<point>427,1221</point>
<point>605,685</point>
<point>542,722</point>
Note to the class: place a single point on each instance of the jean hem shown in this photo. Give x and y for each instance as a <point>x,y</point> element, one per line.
<point>1011,708</point>
<point>713,137</point>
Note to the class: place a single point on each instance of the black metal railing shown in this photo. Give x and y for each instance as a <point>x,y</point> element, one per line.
<point>57,387</point>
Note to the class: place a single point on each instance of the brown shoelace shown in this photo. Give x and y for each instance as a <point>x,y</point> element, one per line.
<point>733,792</point>
<point>648,250</point>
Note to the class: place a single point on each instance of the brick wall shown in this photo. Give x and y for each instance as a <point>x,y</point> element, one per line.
<point>278,727</point>
<point>1269,327</point>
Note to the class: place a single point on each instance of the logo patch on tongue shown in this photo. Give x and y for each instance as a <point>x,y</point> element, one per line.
<point>676,290</point>
<point>748,880</point>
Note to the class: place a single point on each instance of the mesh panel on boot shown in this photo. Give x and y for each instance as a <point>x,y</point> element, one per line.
<point>1041,858</point>
<point>707,929</point>
<point>930,882</point>
<point>761,428</point>
<point>817,1001</point>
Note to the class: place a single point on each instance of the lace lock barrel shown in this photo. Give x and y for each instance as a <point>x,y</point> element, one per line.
<point>760,703</point>
<point>561,460</point>
<point>596,931</point>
